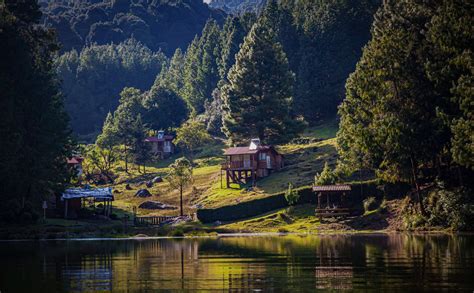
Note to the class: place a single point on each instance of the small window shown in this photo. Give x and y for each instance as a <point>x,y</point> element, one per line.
<point>262,156</point>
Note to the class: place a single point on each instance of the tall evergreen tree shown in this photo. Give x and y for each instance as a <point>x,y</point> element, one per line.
<point>394,117</point>
<point>201,72</point>
<point>451,68</point>
<point>232,36</point>
<point>258,99</point>
<point>163,109</point>
<point>35,138</point>
<point>171,77</point>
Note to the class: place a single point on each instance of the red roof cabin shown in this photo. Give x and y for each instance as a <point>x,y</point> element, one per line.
<point>246,164</point>
<point>161,145</point>
<point>75,162</point>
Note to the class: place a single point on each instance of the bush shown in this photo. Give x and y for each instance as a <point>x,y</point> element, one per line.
<point>327,176</point>
<point>369,204</point>
<point>450,208</point>
<point>12,212</point>
<point>291,195</point>
<point>176,232</point>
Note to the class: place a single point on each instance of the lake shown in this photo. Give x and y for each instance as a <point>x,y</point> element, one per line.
<point>260,263</point>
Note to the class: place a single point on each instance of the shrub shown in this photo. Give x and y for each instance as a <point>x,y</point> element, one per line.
<point>176,232</point>
<point>327,176</point>
<point>369,204</point>
<point>291,195</point>
<point>450,208</point>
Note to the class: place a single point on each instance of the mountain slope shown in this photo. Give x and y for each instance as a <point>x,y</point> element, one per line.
<point>165,24</point>
<point>238,6</point>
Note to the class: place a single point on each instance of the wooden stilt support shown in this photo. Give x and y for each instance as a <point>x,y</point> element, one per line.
<point>227,178</point>
<point>65,207</point>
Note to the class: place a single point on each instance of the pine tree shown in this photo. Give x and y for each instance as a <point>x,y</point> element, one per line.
<point>35,137</point>
<point>232,36</point>
<point>451,65</point>
<point>125,120</point>
<point>258,99</point>
<point>392,119</point>
<point>171,77</point>
<point>201,72</point>
<point>163,109</point>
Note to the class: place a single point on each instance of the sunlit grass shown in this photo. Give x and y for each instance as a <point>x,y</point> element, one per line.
<point>299,219</point>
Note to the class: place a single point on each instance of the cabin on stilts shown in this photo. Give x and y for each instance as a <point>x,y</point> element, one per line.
<point>74,199</point>
<point>246,164</point>
<point>332,200</point>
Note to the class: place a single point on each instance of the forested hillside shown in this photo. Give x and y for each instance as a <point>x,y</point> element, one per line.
<point>237,7</point>
<point>160,25</point>
<point>118,45</point>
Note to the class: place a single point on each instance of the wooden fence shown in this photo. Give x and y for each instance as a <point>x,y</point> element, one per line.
<point>154,220</point>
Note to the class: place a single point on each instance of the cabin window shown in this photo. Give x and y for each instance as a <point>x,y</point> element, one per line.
<point>262,156</point>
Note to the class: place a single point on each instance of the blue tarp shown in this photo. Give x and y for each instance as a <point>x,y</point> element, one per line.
<point>97,193</point>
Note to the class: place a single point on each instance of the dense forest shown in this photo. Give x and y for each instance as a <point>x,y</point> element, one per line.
<point>34,126</point>
<point>159,24</point>
<point>237,7</point>
<point>322,45</point>
<point>408,112</point>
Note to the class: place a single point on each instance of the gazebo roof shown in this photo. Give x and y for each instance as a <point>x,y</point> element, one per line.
<point>332,188</point>
<point>97,193</point>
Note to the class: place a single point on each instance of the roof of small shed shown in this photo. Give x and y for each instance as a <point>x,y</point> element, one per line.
<point>98,193</point>
<point>338,187</point>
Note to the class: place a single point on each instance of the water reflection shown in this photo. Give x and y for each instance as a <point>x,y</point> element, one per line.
<point>290,263</point>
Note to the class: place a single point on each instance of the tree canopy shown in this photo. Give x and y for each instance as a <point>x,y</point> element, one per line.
<point>35,137</point>
<point>257,100</point>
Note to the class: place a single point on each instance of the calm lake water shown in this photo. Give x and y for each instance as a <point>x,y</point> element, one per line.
<point>263,263</point>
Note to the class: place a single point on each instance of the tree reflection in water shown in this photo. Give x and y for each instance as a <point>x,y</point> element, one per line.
<point>296,263</point>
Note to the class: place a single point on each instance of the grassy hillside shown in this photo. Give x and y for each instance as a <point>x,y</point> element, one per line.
<point>303,159</point>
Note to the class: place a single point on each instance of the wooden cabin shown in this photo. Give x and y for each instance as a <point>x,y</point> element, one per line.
<point>248,163</point>
<point>75,162</point>
<point>161,145</point>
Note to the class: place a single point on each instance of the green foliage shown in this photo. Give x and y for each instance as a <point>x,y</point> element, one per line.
<point>327,176</point>
<point>163,109</point>
<point>125,128</point>
<point>94,77</point>
<point>237,7</point>
<point>291,195</point>
<point>331,35</point>
<point>35,137</point>
<point>369,204</point>
<point>100,160</point>
<point>396,116</point>
<point>450,67</point>
<point>450,208</point>
<point>153,23</point>
<point>201,72</point>
<point>191,135</point>
<point>258,98</point>
<point>179,176</point>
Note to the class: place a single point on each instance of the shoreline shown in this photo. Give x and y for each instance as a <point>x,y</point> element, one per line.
<point>141,237</point>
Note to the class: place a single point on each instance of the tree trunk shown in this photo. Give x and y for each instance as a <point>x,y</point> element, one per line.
<point>181,199</point>
<point>414,171</point>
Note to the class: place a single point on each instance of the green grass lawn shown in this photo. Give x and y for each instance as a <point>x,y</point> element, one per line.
<point>299,219</point>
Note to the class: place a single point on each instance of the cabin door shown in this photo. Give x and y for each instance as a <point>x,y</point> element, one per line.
<point>269,162</point>
<point>247,161</point>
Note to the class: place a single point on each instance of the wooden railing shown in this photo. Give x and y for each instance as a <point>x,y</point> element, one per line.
<point>239,165</point>
<point>152,220</point>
